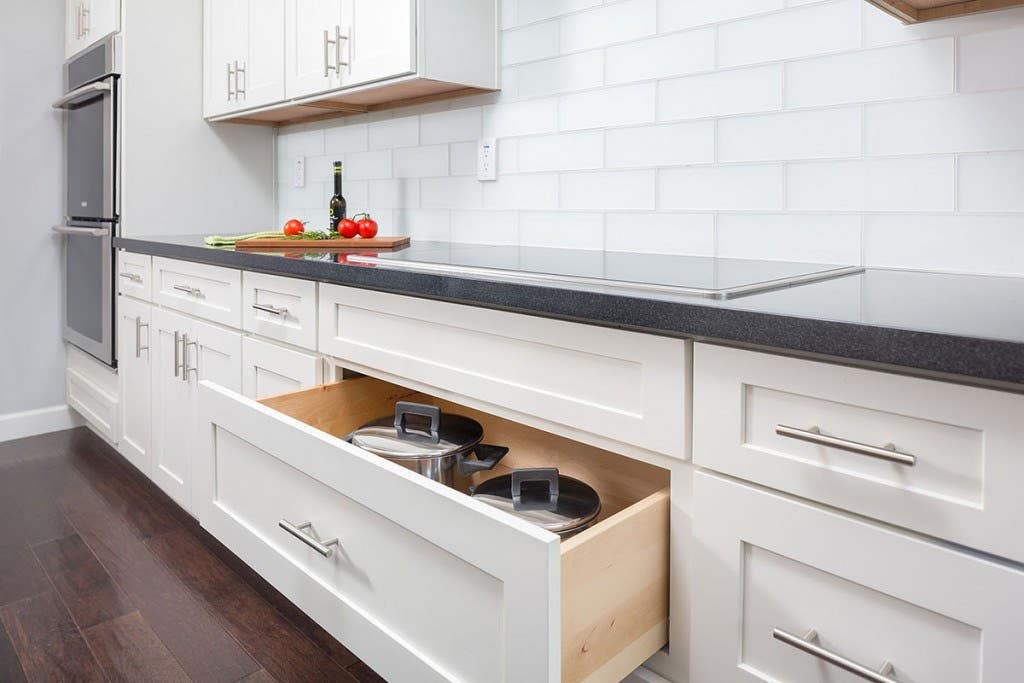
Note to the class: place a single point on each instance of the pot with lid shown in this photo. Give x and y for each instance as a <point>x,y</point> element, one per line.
<point>423,439</point>
<point>562,505</point>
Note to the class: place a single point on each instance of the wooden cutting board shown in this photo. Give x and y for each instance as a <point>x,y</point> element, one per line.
<point>340,243</point>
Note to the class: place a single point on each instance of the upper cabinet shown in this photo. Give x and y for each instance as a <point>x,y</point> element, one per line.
<point>337,57</point>
<point>244,58</point>
<point>86,21</point>
<point>915,11</point>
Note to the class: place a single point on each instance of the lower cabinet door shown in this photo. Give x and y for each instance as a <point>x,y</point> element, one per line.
<point>418,579</point>
<point>269,369</point>
<point>185,351</point>
<point>788,591</point>
<point>136,376</point>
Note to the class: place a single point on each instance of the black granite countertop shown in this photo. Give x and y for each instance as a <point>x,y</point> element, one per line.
<point>967,326</point>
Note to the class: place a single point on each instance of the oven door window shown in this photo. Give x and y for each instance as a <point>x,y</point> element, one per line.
<point>90,176</point>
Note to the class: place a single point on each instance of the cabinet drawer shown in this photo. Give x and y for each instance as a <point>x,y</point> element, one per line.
<point>280,307</point>
<point>612,388</point>
<point>427,583</point>
<point>209,292</point>
<point>966,443</point>
<point>92,390</point>
<point>771,566</point>
<point>135,275</point>
<point>269,369</point>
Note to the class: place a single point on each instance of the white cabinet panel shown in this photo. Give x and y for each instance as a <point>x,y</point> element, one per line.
<point>269,369</point>
<point>92,391</point>
<point>224,40</point>
<point>135,275</point>
<point>771,568</point>
<point>382,39</point>
<point>135,374</point>
<point>964,442</point>
<point>309,59</point>
<point>86,21</point>
<point>209,292</point>
<point>244,62</point>
<point>281,308</point>
<point>263,80</point>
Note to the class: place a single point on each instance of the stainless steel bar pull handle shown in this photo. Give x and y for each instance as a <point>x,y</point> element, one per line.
<point>191,291</point>
<point>85,13</point>
<point>338,37</point>
<point>231,73</point>
<point>813,435</point>
<point>139,348</point>
<point>271,309</point>
<point>327,53</point>
<point>134,277</point>
<point>809,644</point>
<point>177,354</point>
<point>240,89</point>
<point>185,369</point>
<point>299,531</point>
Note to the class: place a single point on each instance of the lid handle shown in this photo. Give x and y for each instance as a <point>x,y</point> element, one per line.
<point>405,408</point>
<point>487,456</point>
<point>548,475</point>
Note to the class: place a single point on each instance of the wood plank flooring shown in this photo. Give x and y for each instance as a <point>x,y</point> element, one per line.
<point>104,578</point>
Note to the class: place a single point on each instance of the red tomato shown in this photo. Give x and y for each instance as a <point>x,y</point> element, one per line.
<point>367,227</point>
<point>348,228</point>
<point>294,227</point>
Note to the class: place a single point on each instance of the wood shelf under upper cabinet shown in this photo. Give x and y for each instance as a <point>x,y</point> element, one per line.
<point>916,11</point>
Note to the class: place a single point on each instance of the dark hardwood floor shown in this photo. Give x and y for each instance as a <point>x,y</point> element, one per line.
<point>103,577</point>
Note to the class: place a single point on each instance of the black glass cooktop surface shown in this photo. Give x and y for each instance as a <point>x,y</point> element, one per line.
<point>699,276</point>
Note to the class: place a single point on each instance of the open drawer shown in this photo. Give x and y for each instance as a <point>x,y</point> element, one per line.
<point>426,583</point>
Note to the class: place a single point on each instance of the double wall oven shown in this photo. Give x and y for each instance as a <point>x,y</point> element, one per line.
<point>91,145</point>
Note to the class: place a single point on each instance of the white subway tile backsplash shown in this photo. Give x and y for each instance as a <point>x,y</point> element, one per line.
<point>402,132</point>
<point>899,184</point>
<point>809,130</point>
<point>790,237</point>
<point>728,188</point>
<point>991,182</point>
<point>533,191</point>
<point>608,190</point>
<point>720,94</point>
<point>828,133</point>
<point>904,71</point>
<point>664,145</point>
<point>947,124</point>
<point>674,15</point>
<point>562,230</point>
<point>613,23</point>
<point>671,55</point>
<point>661,233</point>
<point>565,152</point>
<point>810,30</point>
<point>974,244</point>
<point>521,118</point>
<point>989,61</point>
<point>619,106</point>
<point>579,71</point>
<point>421,162</point>
<point>456,125</point>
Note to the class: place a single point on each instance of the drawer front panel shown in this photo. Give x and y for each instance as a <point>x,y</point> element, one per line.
<point>773,570</point>
<point>280,308</point>
<point>92,390</point>
<point>269,369</point>
<point>135,275</point>
<point>209,292</point>
<point>931,456</point>
<point>425,584</point>
<point>628,387</point>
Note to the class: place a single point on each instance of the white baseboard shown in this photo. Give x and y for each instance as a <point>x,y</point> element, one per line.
<point>39,421</point>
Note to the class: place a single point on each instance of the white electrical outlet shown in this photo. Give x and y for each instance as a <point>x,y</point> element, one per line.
<point>487,159</point>
<point>299,177</point>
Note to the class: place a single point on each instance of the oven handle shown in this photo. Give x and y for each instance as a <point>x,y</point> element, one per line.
<point>90,232</point>
<point>87,89</point>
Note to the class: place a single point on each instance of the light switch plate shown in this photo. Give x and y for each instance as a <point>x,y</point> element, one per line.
<point>487,159</point>
<point>299,175</point>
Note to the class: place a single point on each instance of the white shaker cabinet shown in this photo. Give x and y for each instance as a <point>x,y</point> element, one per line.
<point>382,38</point>
<point>269,369</point>
<point>244,54</point>
<point>185,351</point>
<point>135,374</point>
<point>86,21</point>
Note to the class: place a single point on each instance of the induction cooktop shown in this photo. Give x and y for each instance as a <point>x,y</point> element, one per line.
<point>668,274</point>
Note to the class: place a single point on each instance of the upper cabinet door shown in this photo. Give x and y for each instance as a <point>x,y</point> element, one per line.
<point>225,46</point>
<point>262,79</point>
<point>86,21</point>
<point>312,28</point>
<point>382,38</point>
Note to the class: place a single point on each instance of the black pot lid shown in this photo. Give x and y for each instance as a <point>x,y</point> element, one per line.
<point>542,497</point>
<point>418,431</point>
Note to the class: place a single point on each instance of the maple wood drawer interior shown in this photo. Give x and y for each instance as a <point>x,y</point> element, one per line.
<point>429,583</point>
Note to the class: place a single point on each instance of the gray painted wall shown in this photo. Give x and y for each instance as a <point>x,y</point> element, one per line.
<point>31,352</point>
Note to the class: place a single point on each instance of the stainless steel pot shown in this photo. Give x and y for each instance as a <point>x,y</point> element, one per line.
<point>420,438</point>
<point>541,496</point>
